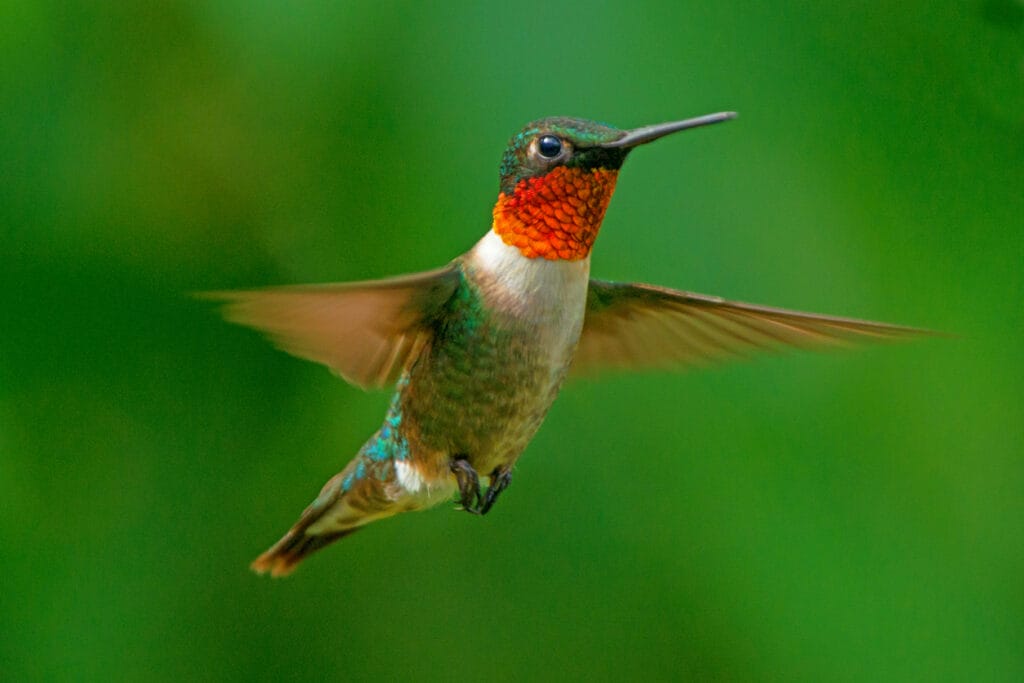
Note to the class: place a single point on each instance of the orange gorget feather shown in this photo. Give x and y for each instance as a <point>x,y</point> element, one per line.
<point>555,216</point>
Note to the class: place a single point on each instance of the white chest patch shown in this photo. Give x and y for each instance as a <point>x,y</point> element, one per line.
<point>539,279</point>
<point>409,477</point>
<point>551,292</point>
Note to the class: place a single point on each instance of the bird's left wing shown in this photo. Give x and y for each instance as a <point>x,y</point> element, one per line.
<point>630,325</point>
<point>364,331</point>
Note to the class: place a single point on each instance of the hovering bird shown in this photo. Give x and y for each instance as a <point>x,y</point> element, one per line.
<point>477,350</point>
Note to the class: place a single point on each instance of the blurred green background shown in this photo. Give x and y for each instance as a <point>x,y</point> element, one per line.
<point>850,516</point>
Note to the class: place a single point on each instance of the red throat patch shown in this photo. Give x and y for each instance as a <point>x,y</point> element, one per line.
<point>555,216</point>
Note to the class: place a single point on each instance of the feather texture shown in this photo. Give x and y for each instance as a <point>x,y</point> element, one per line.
<point>631,325</point>
<point>364,331</point>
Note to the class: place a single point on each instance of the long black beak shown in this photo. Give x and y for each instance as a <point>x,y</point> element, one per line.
<point>640,136</point>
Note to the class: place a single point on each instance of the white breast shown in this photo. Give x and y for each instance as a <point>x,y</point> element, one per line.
<point>552,293</point>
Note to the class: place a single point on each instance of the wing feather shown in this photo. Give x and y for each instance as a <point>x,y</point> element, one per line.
<point>364,331</point>
<point>631,325</point>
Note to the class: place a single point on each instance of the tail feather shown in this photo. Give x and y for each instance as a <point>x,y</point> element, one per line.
<point>285,555</point>
<point>361,493</point>
<point>282,557</point>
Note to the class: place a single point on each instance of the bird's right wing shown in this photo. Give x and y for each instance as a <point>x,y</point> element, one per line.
<point>631,325</point>
<point>364,331</point>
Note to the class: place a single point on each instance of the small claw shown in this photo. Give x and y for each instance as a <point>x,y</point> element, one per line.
<point>470,498</point>
<point>501,477</point>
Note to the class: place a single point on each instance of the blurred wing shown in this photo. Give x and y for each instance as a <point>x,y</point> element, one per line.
<point>364,331</point>
<point>642,326</point>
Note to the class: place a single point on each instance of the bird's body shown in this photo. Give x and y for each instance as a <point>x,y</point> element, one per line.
<point>479,349</point>
<point>478,390</point>
<point>487,380</point>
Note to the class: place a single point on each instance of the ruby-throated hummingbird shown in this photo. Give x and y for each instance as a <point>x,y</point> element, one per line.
<point>478,349</point>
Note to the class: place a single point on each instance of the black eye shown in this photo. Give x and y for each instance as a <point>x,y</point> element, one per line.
<point>549,146</point>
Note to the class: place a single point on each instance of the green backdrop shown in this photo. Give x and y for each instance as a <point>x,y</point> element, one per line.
<point>845,516</point>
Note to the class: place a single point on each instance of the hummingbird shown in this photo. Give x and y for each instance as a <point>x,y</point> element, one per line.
<point>478,350</point>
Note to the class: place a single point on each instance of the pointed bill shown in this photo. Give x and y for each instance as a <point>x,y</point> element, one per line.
<point>640,136</point>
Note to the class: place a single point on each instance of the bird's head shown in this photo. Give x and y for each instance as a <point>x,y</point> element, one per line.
<point>557,176</point>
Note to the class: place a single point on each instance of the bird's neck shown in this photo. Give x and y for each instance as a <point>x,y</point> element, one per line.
<point>537,287</point>
<point>555,216</point>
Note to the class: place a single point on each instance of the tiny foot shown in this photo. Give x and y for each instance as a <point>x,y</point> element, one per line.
<point>501,477</point>
<point>470,498</point>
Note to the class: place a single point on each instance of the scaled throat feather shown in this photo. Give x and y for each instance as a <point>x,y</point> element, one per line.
<point>555,216</point>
